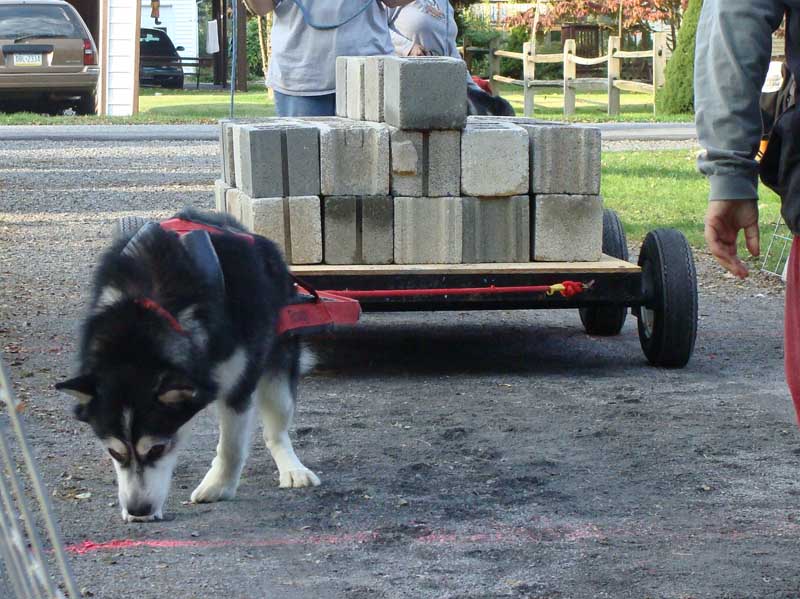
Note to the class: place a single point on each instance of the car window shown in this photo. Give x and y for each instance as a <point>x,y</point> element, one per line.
<point>29,20</point>
<point>155,43</point>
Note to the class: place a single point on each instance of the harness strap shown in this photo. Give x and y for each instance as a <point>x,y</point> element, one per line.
<point>153,306</point>
<point>313,25</point>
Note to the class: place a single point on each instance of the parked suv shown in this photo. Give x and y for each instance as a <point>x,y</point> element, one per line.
<point>159,61</point>
<point>47,52</point>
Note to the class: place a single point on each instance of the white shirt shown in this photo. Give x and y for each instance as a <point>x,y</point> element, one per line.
<point>303,61</point>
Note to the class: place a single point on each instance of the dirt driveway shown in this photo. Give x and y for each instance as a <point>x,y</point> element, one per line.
<point>462,455</point>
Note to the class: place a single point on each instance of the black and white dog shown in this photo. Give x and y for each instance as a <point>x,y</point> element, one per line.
<point>161,343</point>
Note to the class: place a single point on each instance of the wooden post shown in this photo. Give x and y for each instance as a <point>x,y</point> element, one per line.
<point>136,61</point>
<point>242,70</point>
<point>102,59</point>
<point>494,60</point>
<point>467,54</point>
<point>570,74</point>
<point>528,76</point>
<point>659,63</point>
<point>614,73</point>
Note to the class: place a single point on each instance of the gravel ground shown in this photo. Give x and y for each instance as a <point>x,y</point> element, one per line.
<point>463,455</point>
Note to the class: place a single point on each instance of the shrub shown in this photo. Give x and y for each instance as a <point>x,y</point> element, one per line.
<point>254,64</point>
<point>677,95</point>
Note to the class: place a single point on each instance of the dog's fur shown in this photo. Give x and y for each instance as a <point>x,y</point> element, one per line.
<point>141,381</point>
<point>479,103</point>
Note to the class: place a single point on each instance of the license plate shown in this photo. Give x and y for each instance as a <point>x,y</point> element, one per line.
<point>27,60</point>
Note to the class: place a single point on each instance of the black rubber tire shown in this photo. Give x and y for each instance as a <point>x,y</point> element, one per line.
<point>87,105</point>
<point>128,225</point>
<point>668,322</point>
<point>173,83</point>
<point>607,321</point>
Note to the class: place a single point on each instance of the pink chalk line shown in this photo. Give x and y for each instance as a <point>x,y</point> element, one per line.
<point>502,535</point>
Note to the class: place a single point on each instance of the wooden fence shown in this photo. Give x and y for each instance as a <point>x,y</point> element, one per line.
<point>572,84</point>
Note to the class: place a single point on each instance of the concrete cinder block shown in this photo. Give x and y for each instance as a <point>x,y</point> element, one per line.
<point>341,86</point>
<point>226,127</point>
<point>425,163</point>
<point>293,223</point>
<point>227,166</point>
<point>277,158</point>
<point>305,230</point>
<point>220,190</point>
<point>564,159</point>
<point>233,202</point>
<point>358,230</point>
<point>425,92</point>
<point>354,158</point>
<point>567,228</point>
<point>496,230</point>
<point>494,159</point>
<point>373,88</point>
<point>356,92</point>
<point>428,230</point>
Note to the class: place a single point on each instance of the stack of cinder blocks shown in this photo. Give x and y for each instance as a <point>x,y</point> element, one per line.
<point>402,176</point>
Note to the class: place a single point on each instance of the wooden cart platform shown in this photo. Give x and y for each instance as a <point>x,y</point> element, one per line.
<point>610,281</point>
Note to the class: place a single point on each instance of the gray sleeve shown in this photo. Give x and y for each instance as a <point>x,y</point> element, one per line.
<point>734,44</point>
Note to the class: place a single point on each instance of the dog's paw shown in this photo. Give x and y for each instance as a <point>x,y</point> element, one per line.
<point>213,489</point>
<point>294,479</point>
<point>128,519</point>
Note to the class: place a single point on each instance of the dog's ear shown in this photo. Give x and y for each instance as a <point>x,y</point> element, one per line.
<point>83,388</point>
<point>175,388</point>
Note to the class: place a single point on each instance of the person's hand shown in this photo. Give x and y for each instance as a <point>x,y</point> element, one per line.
<point>418,50</point>
<point>724,220</point>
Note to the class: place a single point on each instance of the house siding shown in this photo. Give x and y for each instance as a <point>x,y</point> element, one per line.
<point>121,66</point>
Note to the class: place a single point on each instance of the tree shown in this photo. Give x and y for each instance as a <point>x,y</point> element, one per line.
<point>636,15</point>
<point>677,96</point>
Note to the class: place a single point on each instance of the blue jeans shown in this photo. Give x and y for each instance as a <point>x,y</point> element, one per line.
<point>286,105</point>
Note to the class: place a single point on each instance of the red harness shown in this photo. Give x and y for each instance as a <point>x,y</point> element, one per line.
<point>310,311</point>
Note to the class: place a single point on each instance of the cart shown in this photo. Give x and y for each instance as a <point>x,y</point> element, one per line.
<point>660,290</point>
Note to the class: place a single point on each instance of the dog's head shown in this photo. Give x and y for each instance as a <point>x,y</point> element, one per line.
<point>139,411</point>
<point>142,380</point>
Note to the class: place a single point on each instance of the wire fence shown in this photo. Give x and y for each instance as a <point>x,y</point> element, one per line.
<point>31,568</point>
<point>776,258</point>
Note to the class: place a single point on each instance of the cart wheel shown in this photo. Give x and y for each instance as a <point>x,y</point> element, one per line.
<point>128,225</point>
<point>607,321</point>
<point>668,322</point>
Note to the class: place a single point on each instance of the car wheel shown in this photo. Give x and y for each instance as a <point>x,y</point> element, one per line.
<point>87,105</point>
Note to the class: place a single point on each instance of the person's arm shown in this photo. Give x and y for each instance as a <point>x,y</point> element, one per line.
<point>261,7</point>
<point>402,45</point>
<point>734,42</point>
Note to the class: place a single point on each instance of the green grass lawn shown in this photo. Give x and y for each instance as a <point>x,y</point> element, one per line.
<point>191,106</point>
<point>590,107</point>
<point>663,189</point>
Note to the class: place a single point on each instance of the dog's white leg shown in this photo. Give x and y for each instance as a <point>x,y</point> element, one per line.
<point>276,401</point>
<point>222,479</point>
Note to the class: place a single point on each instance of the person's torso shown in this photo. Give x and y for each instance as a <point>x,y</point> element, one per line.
<point>430,23</point>
<point>304,58</point>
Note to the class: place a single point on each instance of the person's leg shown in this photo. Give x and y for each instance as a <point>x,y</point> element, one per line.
<point>286,105</point>
<point>792,325</point>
